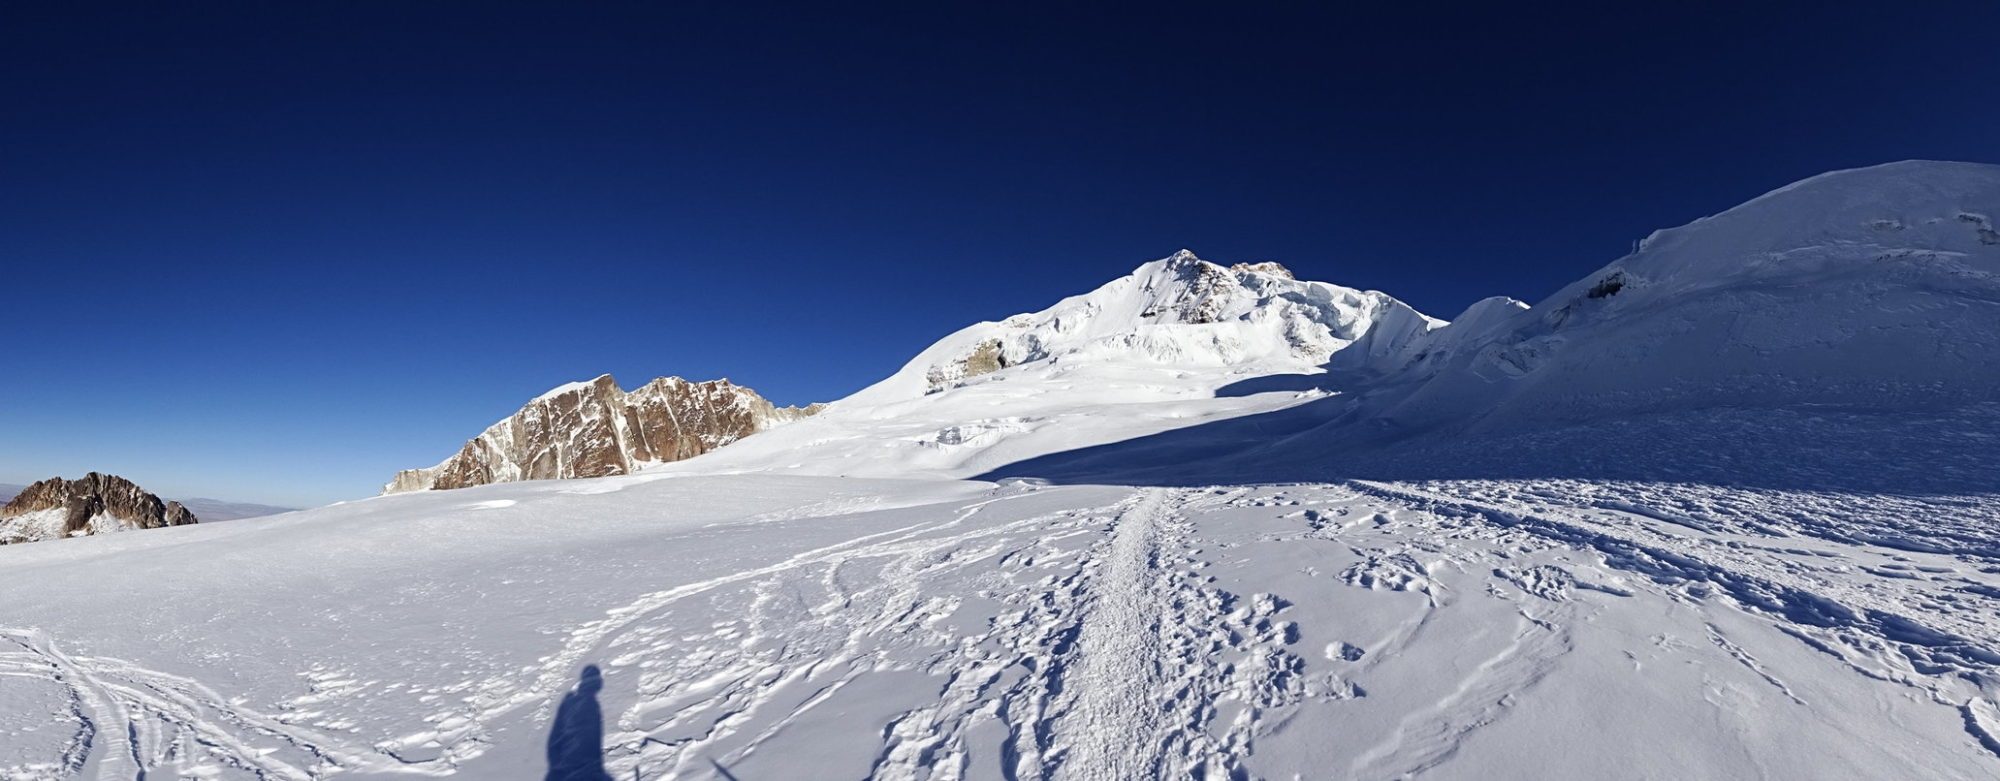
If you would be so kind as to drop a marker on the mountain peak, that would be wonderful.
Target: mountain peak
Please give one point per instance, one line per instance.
(601, 382)
(595, 429)
(1185, 261)
(95, 504)
(1179, 312)
(1268, 268)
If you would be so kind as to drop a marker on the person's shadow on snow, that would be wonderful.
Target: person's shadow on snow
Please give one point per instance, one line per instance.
(576, 741)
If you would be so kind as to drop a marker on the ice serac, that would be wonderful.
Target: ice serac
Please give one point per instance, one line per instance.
(596, 429)
(1875, 288)
(96, 504)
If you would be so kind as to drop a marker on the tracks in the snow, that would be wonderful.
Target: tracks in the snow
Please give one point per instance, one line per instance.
(1073, 647)
(1100, 651)
(1946, 657)
(1058, 642)
(1120, 653)
(130, 720)
(1171, 675)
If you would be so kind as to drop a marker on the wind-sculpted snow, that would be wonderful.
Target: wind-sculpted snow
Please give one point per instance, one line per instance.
(1876, 288)
(796, 627)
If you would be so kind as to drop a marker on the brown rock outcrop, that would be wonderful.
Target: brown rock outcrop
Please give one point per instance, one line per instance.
(64, 508)
(595, 429)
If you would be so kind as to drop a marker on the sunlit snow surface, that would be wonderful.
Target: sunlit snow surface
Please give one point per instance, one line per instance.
(812, 627)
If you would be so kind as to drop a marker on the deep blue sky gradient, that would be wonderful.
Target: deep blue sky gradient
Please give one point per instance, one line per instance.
(275, 251)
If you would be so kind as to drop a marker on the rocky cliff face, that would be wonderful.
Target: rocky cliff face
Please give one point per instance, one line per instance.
(95, 504)
(595, 429)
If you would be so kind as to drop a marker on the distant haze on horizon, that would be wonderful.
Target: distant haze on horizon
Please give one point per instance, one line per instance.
(274, 253)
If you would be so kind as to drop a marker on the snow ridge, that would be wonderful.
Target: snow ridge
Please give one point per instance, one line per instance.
(1179, 311)
(1876, 287)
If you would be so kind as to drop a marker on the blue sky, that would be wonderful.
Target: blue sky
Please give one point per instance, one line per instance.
(274, 252)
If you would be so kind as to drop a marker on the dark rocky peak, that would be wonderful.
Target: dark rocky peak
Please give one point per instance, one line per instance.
(94, 503)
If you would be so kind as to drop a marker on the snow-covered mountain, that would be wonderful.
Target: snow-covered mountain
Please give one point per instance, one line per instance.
(1181, 312)
(1726, 508)
(1875, 287)
(594, 429)
(95, 504)
(1174, 343)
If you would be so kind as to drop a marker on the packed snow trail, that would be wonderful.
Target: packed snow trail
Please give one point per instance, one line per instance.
(760, 627)
(1119, 652)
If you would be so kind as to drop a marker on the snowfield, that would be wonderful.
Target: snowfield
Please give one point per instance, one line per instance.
(765, 626)
(1724, 509)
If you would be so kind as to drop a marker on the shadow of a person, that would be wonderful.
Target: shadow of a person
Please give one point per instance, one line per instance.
(576, 740)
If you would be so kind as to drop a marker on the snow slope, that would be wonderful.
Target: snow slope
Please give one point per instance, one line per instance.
(1837, 333)
(1733, 516)
(1179, 311)
(1856, 292)
(1159, 349)
(1875, 287)
(772, 626)
(49, 524)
